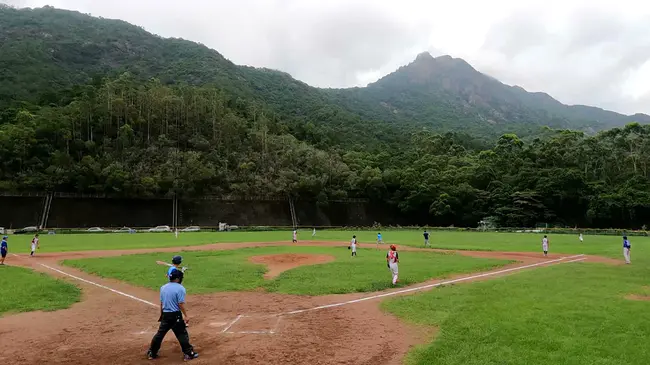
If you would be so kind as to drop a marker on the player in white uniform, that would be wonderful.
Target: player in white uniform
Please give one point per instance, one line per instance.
(580, 238)
(313, 233)
(176, 232)
(392, 259)
(295, 236)
(353, 245)
(545, 245)
(34, 245)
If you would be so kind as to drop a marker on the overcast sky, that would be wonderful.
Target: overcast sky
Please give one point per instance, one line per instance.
(581, 52)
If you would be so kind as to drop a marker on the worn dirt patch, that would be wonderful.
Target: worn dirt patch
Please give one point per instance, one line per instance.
(638, 297)
(279, 263)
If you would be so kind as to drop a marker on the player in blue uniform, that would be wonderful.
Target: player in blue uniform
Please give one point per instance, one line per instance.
(626, 249)
(176, 261)
(3, 250)
(426, 238)
(379, 240)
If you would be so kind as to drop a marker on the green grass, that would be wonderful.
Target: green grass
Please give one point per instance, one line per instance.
(610, 246)
(573, 314)
(230, 270)
(24, 290)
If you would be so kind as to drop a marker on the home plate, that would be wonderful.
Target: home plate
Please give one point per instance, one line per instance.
(254, 324)
(218, 324)
(145, 332)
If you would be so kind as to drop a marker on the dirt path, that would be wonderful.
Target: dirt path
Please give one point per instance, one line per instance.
(277, 264)
(108, 328)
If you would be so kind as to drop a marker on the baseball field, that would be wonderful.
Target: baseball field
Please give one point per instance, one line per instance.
(257, 298)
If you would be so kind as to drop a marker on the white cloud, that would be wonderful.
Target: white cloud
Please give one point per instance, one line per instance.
(586, 52)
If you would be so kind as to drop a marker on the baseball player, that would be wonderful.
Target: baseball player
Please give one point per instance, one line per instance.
(176, 261)
(34, 245)
(392, 259)
(379, 240)
(626, 249)
(426, 238)
(353, 246)
(173, 316)
(295, 236)
(3, 250)
(313, 234)
(176, 233)
(580, 238)
(545, 245)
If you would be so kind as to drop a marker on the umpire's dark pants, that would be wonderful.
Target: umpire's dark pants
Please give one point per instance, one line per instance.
(172, 321)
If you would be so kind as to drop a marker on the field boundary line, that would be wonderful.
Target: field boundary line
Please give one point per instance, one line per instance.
(574, 258)
(100, 286)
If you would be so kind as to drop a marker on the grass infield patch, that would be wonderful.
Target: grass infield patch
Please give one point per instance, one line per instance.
(24, 290)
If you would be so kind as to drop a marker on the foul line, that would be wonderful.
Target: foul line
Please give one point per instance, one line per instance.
(101, 286)
(576, 258)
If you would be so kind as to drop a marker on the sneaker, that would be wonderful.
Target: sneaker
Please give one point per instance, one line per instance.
(151, 355)
(191, 356)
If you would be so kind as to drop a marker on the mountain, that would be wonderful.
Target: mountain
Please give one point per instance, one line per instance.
(46, 50)
(449, 93)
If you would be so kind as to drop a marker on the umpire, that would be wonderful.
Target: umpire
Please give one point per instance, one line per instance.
(172, 311)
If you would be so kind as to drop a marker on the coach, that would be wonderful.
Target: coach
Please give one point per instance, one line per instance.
(172, 311)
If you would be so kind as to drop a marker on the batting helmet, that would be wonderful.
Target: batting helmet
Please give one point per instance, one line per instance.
(392, 247)
(176, 260)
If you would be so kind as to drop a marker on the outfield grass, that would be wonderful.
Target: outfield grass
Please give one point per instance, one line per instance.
(24, 290)
(610, 246)
(125, 241)
(230, 270)
(565, 314)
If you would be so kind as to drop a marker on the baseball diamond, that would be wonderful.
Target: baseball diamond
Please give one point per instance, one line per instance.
(231, 301)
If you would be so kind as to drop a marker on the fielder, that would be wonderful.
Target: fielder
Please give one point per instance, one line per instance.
(379, 240)
(580, 238)
(626, 249)
(426, 238)
(392, 259)
(313, 234)
(176, 233)
(295, 236)
(3, 250)
(545, 245)
(35, 245)
(353, 246)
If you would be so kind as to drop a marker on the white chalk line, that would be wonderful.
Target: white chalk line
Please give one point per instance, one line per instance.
(466, 278)
(101, 286)
(232, 323)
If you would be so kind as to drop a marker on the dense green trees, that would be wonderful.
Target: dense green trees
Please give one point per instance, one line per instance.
(125, 138)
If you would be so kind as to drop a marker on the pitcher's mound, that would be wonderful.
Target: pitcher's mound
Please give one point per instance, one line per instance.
(287, 261)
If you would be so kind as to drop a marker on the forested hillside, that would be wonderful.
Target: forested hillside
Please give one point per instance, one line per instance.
(99, 106)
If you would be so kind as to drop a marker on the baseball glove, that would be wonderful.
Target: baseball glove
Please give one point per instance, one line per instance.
(348, 247)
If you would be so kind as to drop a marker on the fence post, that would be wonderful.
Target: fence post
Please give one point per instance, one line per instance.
(47, 204)
(294, 219)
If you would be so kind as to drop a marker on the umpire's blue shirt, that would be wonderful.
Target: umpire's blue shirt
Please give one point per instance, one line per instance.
(170, 295)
